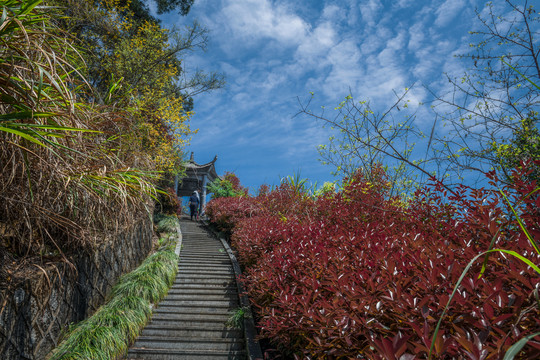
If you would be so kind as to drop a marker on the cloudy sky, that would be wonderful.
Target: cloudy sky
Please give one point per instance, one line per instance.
(275, 52)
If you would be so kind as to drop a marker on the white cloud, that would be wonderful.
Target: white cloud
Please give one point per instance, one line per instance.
(405, 3)
(392, 52)
(373, 41)
(416, 36)
(431, 57)
(448, 11)
(332, 12)
(256, 20)
(274, 79)
(369, 10)
(317, 43)
(346, 69)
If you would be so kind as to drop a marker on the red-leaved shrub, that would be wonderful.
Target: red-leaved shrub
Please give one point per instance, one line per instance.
(359, 274)
(224, 212)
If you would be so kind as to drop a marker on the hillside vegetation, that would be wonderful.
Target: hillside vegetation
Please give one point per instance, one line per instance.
(93, 116)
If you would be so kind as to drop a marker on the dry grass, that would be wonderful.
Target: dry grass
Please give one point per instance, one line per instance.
(69, 170)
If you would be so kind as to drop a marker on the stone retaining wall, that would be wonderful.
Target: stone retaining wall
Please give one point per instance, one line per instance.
(33, 316)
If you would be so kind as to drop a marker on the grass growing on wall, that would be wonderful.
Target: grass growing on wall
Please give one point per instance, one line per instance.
(108, 333)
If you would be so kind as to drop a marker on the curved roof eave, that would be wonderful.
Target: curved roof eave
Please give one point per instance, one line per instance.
(208, 168)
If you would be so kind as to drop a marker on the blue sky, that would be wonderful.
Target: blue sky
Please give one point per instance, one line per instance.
(273, 52)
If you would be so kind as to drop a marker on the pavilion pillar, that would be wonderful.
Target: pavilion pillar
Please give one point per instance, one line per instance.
(203, 195)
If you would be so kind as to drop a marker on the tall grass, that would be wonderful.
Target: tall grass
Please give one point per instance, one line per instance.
(70, 169)
(35, 73)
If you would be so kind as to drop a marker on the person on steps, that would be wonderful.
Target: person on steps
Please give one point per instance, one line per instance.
(194, 205)
(199, 210)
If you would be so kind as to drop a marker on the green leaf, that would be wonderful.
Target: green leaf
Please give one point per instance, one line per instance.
(29, 6)
(4, 16)
(25, 115)
(525, 77)
(484, 264)
(22, 134)
(516, 348)
(521, 225)
(520, 257)
(8, 99)
(510, 252)
(40, 87)
(52, 127)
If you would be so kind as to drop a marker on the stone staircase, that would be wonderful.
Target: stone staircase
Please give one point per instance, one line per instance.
(190, 322)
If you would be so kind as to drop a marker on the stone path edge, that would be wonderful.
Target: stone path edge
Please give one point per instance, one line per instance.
(179, 239)
(253, 347)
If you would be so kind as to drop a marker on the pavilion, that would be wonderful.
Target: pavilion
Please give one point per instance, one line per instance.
(197, 178)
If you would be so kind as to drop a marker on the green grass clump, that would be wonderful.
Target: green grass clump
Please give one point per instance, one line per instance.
(102, 336)
(108, 333)
(167, 224)
(125, 313)
(236, 320)
(142, 284)
(152, 279)
(164, 265)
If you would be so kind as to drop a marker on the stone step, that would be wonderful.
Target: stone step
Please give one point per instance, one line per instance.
(211, 257)
(204, 262)
(197, 312)
(208, 281)
(209, 260)
(193, 253)
(203, 291)
(197, 239)
(217, 252)
(202, 331)
(221, 281)
(203, 247)
(216, 318)
(199, 303)
(230, 286)
(208, 256)
(201, 239)
(198, 266)
(201, 297)
(212, 268)
(202, 243)
(189, 343)
(207, 250)
(206, 273)
(204, 276)
(209, 263)
(149, 354)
